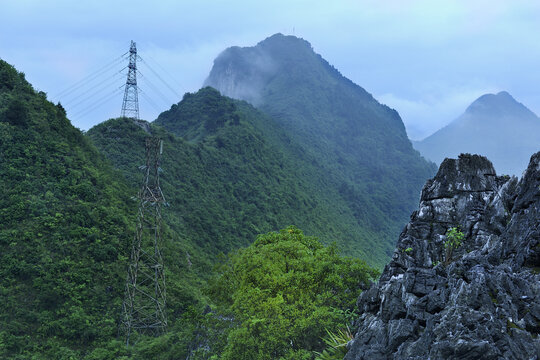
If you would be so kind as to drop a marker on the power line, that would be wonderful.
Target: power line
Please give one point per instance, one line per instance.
(102, 100)
(160, 78)
(89, 77)
(156, 89)
(86, 95)
(150, 101)
(107, 81)
(164, 70)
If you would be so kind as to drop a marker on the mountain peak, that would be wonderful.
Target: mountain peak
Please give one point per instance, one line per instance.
(498, 104)
(495, 125)
(244, 72)
(280, 39)
(504, 94)
(285, 46)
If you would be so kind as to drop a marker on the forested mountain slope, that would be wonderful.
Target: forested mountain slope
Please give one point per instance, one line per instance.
(66, 227)
(231, 172)
(67, 218)
(64, 223)
(359, 145)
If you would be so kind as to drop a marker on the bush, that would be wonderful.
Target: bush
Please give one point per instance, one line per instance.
(454, 239)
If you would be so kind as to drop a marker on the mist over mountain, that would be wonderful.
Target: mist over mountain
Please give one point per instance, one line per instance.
(494, 125)
(359, 144)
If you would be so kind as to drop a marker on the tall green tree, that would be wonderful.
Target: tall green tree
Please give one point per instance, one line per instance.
(283, 291)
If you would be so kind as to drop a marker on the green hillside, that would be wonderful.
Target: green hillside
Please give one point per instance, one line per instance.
(66, 227)
(230, 173)
(64, 223)
(360, 145)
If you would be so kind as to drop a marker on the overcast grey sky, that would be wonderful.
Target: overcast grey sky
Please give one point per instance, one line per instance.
(428, 59)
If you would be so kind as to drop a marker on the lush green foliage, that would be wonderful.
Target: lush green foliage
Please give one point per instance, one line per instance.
(67, 219)
(63, 225)
(282, 292)
(266, 180)
(336, 344)
(454, 239)
(66, 226)
(228, 183)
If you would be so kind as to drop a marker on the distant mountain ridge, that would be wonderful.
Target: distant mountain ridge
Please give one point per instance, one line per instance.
(359, 144)
(494, 125)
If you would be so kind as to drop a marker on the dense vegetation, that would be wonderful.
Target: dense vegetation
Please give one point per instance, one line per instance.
(230, 173)
(63, 223)
(282, 292)
(360, 145)
(234, 174)
(66, 226)
(67, 222)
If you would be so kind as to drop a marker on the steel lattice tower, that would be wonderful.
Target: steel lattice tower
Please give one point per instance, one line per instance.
(144, 302)
(130, 105)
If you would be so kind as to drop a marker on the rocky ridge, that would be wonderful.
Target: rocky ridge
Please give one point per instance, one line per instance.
(482, 301)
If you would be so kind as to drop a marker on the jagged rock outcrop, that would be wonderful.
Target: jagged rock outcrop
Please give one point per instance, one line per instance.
(481, 303)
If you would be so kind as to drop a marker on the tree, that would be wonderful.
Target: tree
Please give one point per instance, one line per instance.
(454, 239)
(17, 112)
(283, 292)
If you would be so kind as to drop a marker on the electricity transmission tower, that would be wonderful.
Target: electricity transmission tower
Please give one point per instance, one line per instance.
(144, 301)
(130, 105)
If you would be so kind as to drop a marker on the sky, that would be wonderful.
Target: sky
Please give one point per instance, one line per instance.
(428, 59)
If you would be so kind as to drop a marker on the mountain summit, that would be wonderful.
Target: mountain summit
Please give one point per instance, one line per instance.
(499, 104)
(360, 145)
(495, 125)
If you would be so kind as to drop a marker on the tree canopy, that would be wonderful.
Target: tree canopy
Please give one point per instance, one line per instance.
(283, 291)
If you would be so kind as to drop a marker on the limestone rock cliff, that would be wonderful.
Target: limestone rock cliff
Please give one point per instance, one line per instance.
(483, 301)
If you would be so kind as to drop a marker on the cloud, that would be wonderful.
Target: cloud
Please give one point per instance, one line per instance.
(392, 48)
(424, 115)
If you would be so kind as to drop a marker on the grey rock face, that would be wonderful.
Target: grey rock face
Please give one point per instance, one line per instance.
(483, 301)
